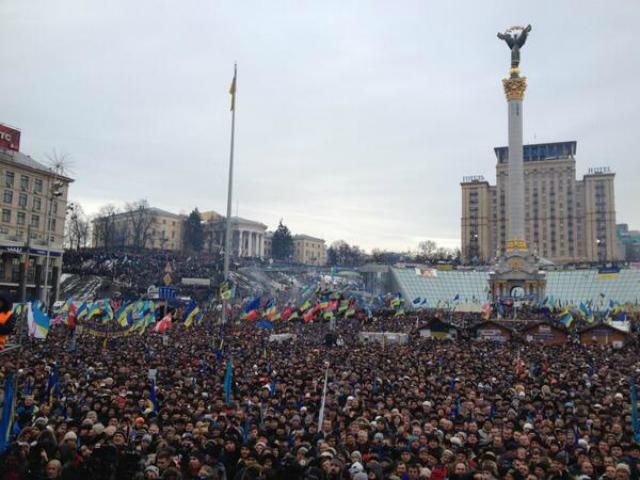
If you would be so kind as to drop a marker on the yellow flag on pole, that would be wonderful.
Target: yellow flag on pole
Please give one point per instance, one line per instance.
(232, 89)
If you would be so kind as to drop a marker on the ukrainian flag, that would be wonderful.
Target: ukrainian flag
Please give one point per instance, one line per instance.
(38, 320)
(193, 313)
(123, 315)
(95, 309)
(82, 311)
(396, 302)
(566, 318)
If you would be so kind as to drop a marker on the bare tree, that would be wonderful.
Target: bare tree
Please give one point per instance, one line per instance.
(427, 248)
(105, 227)
(77, 226)
(141, 222)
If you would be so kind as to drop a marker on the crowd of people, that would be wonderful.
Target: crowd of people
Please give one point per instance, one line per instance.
(248, 408)
(133, 272)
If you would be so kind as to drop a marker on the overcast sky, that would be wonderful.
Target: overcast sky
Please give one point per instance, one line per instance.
(356, 120)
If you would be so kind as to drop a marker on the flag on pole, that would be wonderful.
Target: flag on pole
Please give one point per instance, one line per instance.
(635, 423)
(232, 89)
(486, 310)
(228, 378)
(264, 324)
(37, 320)
(53, 386)
(192, 313)
(163, 325)
(8, 412)
(252, 315)
(252, 305)
(225, 291)
(566, 318)
(70, 319)
(153, 396)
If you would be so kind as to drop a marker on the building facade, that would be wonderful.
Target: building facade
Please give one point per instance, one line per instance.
(628, 242)
(149, 228)
(566, 220)
(34, 203)
(247, 236)
(309, 250)
(268, 239)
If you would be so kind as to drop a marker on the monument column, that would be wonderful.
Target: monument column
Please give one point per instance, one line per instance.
(517, 267)
(514, 88)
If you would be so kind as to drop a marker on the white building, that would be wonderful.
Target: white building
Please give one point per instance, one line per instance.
(247, 236)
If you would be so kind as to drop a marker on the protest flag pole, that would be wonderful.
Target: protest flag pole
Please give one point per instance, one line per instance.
(227, 235)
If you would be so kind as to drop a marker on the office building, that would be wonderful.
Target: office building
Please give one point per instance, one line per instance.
(142, 228)
(309, 250)
(566, 220)
(34, 202)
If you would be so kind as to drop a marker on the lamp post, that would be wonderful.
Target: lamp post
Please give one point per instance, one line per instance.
(54, 192)
(598, 243)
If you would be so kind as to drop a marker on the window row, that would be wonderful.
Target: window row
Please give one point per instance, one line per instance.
(25, 182)
(23, 201)
(21, 219)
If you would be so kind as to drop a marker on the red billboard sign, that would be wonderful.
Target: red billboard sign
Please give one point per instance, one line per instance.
(9, 138)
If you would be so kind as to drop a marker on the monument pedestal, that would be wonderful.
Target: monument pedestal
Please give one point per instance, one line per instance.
(516, 276)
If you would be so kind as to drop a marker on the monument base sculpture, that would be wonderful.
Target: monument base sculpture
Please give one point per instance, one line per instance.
(516, 275)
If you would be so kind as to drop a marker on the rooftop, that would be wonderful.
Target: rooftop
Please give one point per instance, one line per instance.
(302, 236)
(240, 220)
(25, 161)
(164, 213)
(540, 151)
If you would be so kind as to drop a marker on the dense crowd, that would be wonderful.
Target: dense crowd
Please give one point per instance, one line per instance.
(463, 410)
(134, 272)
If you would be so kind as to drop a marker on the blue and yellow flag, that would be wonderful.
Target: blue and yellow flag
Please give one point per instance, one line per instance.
(566, 318)
(94, 310)
(122, 316)
(192, 314)
(396, 301)
(82, 311)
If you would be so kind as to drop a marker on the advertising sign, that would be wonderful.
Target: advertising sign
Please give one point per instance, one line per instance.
(9, 138)
(201, 282)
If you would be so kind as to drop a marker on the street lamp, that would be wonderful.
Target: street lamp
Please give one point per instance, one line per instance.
(598, 243)
(55, 192)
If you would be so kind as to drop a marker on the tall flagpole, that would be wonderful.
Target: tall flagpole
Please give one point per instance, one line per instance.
(227, 235)
(324, 399)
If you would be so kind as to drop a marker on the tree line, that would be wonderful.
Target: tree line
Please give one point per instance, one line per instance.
(340, 253)
(135, 227)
